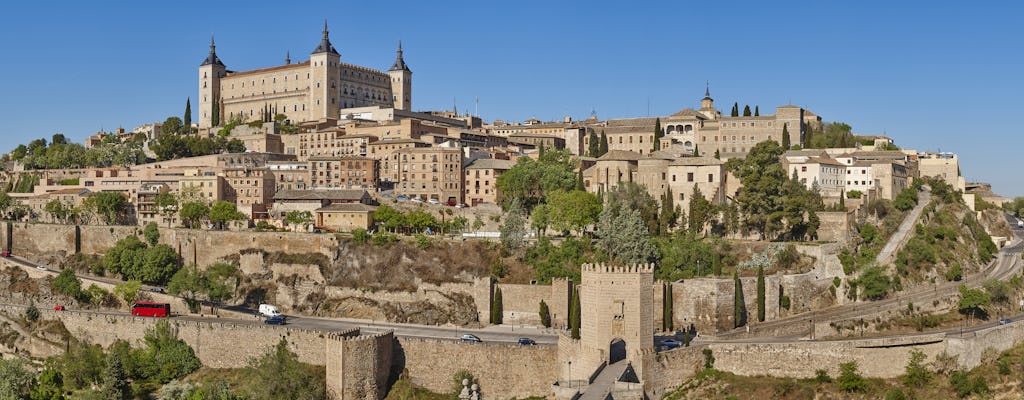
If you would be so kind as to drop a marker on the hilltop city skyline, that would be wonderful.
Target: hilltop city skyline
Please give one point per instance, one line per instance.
(899, 71)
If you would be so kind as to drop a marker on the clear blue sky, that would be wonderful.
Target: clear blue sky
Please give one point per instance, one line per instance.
(932, 75)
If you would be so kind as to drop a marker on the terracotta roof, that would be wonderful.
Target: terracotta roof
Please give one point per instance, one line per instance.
(337, 158)
(696, 161)
(348, 207)
(491, 163)
(824, 160)
(805, 153)
(688, 112)
(329, 194)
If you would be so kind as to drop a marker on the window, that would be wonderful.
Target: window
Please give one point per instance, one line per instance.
(803, 168)
(711, 177)
(689, 176)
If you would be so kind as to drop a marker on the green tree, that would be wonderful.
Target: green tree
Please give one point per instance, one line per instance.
(593, 143)
(785, 137)
(735, 110)
(667, 322)
(220, 281)
(709, 359)
(513, 228)
(973, 301)
(152, 233)
(530, 181)
(916, 372)
(874, 283)
(739, 307)
(31, 312)
(188, 283)
(82, 365)
(762, 178)
(300, 218)
(716, 264)
(223, 211)
(757, 111)
(603, 148)
(718, 155)
(215, 117)
(15, 380)
(282, 376)
(165, 356)
(574, 314)
(540, 218)
(128, 291)
(545, 314)
(158, 266)
(167, 204)
(659, 132)
(700, 211)
(67, 283)
(572, 210)
(172, 126)
(188, 114)
(110, 206)
(115, 382)
(50, 386)
(497, 312)
(760, 293)
(623, 236)
(57, 210)
(849, 379)
(193, 212)
(746, 110)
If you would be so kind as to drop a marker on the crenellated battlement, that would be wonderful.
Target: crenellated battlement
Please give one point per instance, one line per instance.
(343, 335)
(603, 268)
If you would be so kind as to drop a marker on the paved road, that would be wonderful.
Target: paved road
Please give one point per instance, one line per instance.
(902, 234)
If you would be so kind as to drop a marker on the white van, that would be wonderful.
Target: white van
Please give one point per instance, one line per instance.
(269, 311)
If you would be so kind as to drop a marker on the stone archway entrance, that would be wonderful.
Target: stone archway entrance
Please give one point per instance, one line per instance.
(616, 351)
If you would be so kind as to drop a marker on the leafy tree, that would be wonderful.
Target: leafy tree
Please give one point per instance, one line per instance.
(683, 255)
(593, 143)
(849, 379)
(58, 210)
(603, 148)
(159, 265)
(718, 155)
(716, 264)
(171, 126)
(192, 212)
(739, 310)
(220, 281)
(760, 293)
(223, 211)
(152, 233)
(545, 314)
(167, 204)
(906, 199)
(572, 210)
(540, 218)
(188, 114)
(667, 215)
(50, 386)
(785, 137)
(574, 314)
(874, 283)
(110, 206)
(916, 372)
(513, 229)
(188, 283)
(633, 196)
(67, 283)
(770, 203)
(300, 218)
(128, 291)
(746, 110)
(700, 211)
(622, 234)
(115, 382)
(15, 380)
(282, 376)
(530, 181)
(82, 365)
(497, 312)
(165, 356)
(973, 301)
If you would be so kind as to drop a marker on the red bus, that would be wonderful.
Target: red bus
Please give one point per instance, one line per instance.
(148, 309)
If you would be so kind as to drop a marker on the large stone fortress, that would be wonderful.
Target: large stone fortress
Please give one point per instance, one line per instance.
(314, 90)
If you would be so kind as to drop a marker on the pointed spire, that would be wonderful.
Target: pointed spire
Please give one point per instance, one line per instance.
(212, 59)
(707, 90)
(325, 43)
(399, 64)
(287, 57)
(455, 110)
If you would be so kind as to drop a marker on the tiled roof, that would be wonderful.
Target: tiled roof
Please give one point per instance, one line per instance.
(620, 155)
(696, 161)
(491, 163)
(349, 207)
(329, 194)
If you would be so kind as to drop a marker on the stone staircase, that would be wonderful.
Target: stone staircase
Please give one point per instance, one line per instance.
(601, 387)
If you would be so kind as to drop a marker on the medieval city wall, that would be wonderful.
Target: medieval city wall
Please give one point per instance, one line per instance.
(503, 371)
(366, 364)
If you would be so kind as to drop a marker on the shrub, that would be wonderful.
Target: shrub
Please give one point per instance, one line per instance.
(545, 314)
(895, 394)
(381, 238)
(461, 375)
(499, 269)
(709, 359)
(875, 283)
(961, 383)
(67, 283)
(917, 373)
(360, 235)
(784, 302)
(954, 273)
(821, 376)
(422, 241)
(32, 312)
(849, 379)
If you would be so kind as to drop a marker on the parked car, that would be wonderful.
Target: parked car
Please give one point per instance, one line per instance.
(471, 338)
(401, 198)
(276, 320)
(462, 205)
(58, 308)
(268, 310)
(1004, 321)
(416, 200)
(433, 201)
(670, 343)
(157, 289)
(41, 267)
(5, 253)
(527, 341)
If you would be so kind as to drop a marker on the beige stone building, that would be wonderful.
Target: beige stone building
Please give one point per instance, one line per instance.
(203, 186)
(344, 217)
(828, 176)
(429, 173)
(349, 172)
(251, 189)
(481, 180)
(290, 175)
(610, 170)
(386, 152)
(310, 200)
(942, 165)
(313, 90)
(664, 171)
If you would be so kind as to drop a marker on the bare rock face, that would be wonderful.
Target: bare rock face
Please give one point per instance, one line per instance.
(995, 223)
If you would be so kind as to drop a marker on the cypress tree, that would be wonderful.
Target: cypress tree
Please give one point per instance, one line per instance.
(594, 146)
(686, 338)
(215, 118)
(716, 264)
(718, 156)
(658, 134)
(188, 113)
(808, 143)
(757, 111)
(603, 149)
(842, 200)
(760, 293)
(579, 180)
(666, 323)
(735, 110)
(540, 150)
(696, 151)
(739, 310)
(115, 383)
(496, 308)
(574, 315)
(746, 110)
(545, 314)
(785, 137)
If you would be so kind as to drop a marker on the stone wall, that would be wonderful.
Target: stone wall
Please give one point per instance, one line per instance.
(668, 369)
(521, 303)
(214, 246)
(503, 371)
(836, 226)
(359, 367)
